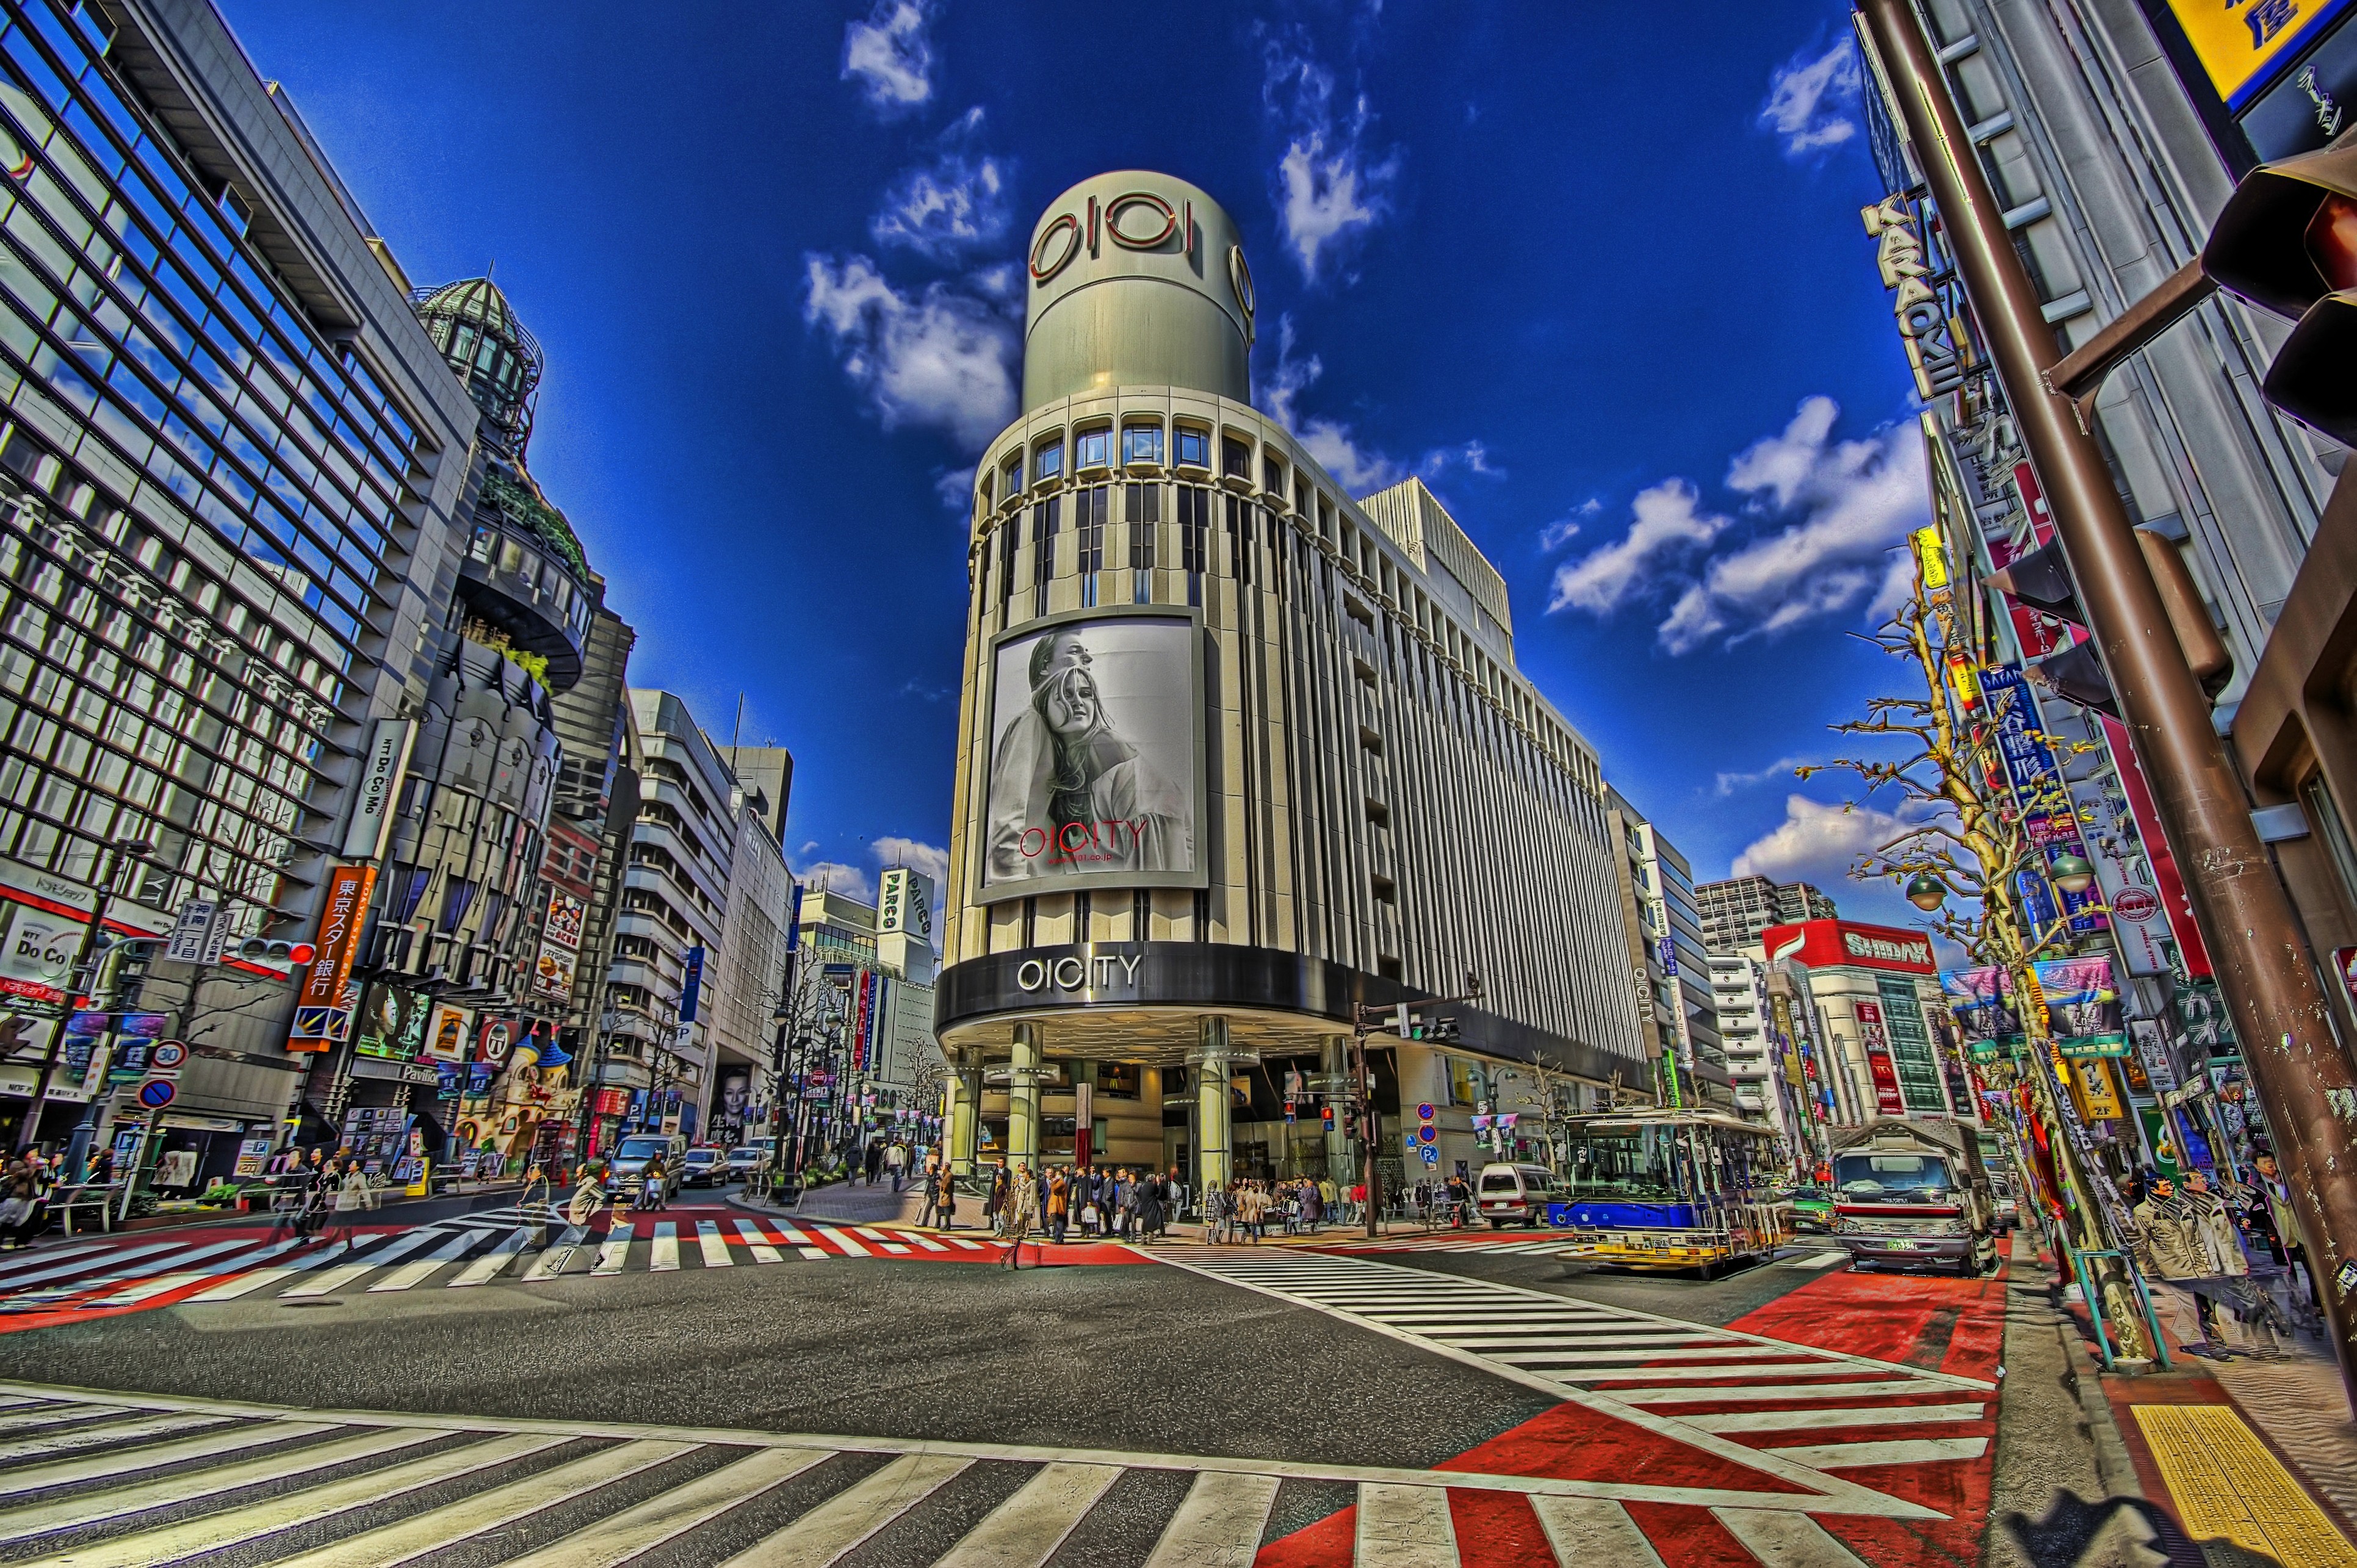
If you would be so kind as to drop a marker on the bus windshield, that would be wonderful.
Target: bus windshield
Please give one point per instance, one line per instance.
(1647, 1164)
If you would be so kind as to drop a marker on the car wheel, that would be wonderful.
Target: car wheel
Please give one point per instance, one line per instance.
(1496, 1225)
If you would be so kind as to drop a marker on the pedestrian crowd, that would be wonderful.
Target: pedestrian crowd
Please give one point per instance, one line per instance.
(2231, 1244)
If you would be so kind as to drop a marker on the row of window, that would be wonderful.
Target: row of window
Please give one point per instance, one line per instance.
(1091, 448)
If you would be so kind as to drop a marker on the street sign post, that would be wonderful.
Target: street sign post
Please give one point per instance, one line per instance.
(157, 1092)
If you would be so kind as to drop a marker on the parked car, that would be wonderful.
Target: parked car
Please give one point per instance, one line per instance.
(749, 1161)
(2008, 1207)
(704, 1166)
(1513, 1192)
(627, 1172)
(1813, 1208)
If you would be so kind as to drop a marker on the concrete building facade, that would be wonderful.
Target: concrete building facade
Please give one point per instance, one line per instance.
(1735, 910)
(1238, 752)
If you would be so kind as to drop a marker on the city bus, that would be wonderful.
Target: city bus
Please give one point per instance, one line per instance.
(1668, 1190)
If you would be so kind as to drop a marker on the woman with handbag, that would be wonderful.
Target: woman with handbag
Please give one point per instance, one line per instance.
(1059, 1199)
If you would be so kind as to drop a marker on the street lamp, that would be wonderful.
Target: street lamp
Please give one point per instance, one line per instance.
(2072, 873)
(1927, 892)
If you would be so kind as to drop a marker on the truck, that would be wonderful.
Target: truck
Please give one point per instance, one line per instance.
(1912, 1192)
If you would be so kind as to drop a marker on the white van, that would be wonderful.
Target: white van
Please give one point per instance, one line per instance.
(1515, 1192)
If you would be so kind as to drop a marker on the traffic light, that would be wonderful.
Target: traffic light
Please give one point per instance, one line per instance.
(1327, 1113)
(281, 955)
(2287, 241)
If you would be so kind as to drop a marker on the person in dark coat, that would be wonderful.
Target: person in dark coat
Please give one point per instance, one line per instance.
(1148, 1193)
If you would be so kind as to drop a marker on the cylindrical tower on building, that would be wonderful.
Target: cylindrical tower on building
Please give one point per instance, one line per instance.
(1236, 752)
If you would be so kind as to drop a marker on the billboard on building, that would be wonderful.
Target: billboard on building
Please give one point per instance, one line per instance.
(1831, 944)
(1095, 727)
(904, 903)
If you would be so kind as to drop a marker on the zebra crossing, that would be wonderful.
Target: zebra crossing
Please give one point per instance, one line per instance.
(1791, 1411)
(108, 1480)
(517, 1244)
(1541, 1245)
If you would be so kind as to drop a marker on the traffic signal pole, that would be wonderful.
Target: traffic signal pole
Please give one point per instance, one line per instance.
(2258, 947)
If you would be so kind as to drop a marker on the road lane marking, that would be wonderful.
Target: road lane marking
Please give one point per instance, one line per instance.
(98, 1466)
(485, 1269)
(663, 1252)
(551, 1261)
(852, 1515)
(611, 1542)
(713, 1245)
(851, 1248)
(616, 1248)
(336, 1279)
(1405, 1527)
(1219, 1523)
(1817, 1260)
(411, 1274)
(245, 1284)
(1900, 1451)
(1786, 1540)
(1593, 1529)
(485, 1513)
(1025, 1531)
(757, 1244)
(1811, 1420)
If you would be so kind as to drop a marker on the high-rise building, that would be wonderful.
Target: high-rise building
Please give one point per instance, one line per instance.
(1735, 911)
(1669, 964)
(1238, 752)
(1884, 1042)
(230, 468)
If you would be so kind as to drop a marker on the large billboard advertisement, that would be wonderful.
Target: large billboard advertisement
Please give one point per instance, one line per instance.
(1096, 754)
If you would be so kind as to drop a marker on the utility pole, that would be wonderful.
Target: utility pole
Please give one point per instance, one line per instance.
(2258, 947)
(1362, 1017)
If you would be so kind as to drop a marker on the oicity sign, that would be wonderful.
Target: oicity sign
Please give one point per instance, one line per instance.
(1135, 221)
(1074, 973)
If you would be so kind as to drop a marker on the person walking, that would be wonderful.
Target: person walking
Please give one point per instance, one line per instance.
(945, 1198)
(1059, 1199)
(874, 1162)
(993, 1206)
(1313, 1206)
(932, 1192)
(896, 1161)
(1022, 1210)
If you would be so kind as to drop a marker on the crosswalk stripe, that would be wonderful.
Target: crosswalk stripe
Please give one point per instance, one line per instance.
(336, 1279)
(97, 1466)
(663, 1251)
(756, 1243)
(13, 1453)
(1405, 1527)
(40, 1416)
(242, 1285)
(671, 1513)
(1817, 1260)
(551, 1261)
(962, 1241)
(851, 1248)
(95, 1508)
(1639, 1377)
(1641, 1356)
(44, 1257)
(409, 1276)
(615, 1250)
(1897, 1450)
(816, 1254)
(713, 1245)
(1786, 1540)
(488, 1511)
(1593, 1529)
(1219, 1523)
(85, 1262)
(922, 1240)
(852, 1515)
(210, 1533)
(1766, 1391)
(1812, 1420)
(793, 1236)
(872, 1233)
(485, 1269)
(1025, 1531)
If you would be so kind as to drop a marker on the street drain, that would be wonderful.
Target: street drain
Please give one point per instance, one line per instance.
(321, 1303)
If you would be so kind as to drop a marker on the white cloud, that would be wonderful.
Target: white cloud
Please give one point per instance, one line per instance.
(916, 856)
(1728, 783)
(1818, 844)
(958, 202)
(1565, 529)
(1810, 100)
(955, 486)
(891, 55)
(834, 876)
(941, 358)
(1329, 187)
(1667, 519)
(1858, 500)
(1357, 467)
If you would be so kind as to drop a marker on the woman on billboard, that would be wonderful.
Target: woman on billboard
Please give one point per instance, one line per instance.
(1068, 793)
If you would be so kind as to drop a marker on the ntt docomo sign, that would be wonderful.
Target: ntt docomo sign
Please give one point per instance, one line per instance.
(1834, 944)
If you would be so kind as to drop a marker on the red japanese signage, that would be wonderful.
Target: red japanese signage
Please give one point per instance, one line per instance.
(327, 981)
(1829, 944)
(2156, 852)
(1886, 1098)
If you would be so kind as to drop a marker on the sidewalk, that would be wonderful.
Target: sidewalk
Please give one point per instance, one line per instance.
(2252, 1460)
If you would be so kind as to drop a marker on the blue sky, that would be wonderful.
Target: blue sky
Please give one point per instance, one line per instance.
(1600, 276)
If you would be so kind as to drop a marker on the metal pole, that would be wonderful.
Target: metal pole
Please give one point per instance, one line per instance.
(2258, 948)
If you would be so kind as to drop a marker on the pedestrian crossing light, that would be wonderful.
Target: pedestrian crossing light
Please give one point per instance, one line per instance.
(2287, 240)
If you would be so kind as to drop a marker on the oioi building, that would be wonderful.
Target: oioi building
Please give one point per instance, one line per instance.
(1238, 752)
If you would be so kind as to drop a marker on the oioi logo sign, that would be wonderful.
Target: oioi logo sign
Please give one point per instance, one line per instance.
(1135, 221)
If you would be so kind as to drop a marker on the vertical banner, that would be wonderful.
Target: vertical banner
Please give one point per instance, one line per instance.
(323, 1009)
(1877, 1042)
(863, 1019)
(2048, 812)
(691, 985)
(2174, 903)
(380, 787)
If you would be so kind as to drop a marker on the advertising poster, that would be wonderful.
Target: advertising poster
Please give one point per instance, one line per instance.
(1095, 728)
(492, 1045)
(1877, 1042)
(2050, 814)
(446, 1036)
(391, 1023)
(551, 976)
(2083, 1007)
(1982, 1002)
(566, 915)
